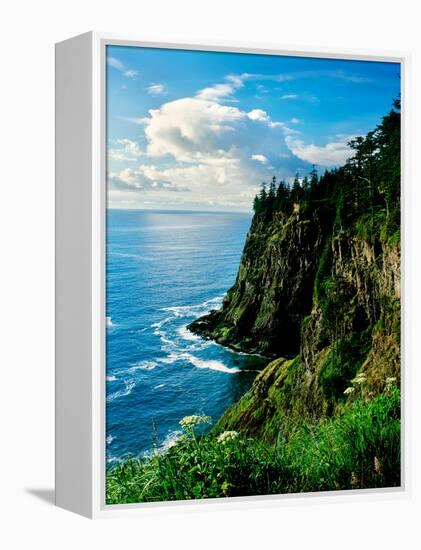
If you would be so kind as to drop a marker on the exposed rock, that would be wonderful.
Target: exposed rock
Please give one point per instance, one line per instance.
(264, 309)
(327, 307)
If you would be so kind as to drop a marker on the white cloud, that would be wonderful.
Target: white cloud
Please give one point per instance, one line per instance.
(156, 89)
(334, 153)
(219, 153)
(115, 63)
(258, 114)
(126, 149)
(120, 66)
(142, 179)
(312, 74)
(302, 97)
(191, 129)
(262, 116)
(219, 184)
(260, 158)
(217, 92)
(135, 120)
(130, 73)
(211, 148)
(223, 91)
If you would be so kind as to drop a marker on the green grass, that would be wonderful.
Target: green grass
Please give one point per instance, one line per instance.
(358, 449)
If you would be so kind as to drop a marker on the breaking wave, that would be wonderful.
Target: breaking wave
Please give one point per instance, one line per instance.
(127, 390)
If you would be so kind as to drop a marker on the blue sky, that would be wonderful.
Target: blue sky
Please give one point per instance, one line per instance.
(202, 130)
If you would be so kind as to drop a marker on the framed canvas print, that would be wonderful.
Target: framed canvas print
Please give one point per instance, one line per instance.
(228, 273)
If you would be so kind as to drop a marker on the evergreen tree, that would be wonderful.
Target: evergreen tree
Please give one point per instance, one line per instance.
(365, 191)
(314, 178)
(296, 192)
(282, 197)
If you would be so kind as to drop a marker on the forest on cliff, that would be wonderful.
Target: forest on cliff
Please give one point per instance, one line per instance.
(317, 292)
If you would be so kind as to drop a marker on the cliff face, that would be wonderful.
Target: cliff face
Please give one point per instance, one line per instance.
(264, 309)
(318, 289)
(352, 330)
(326, 303)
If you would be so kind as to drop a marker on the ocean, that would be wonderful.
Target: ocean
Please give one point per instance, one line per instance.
(164, 269)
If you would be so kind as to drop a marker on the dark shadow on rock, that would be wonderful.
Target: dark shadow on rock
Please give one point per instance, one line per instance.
(47, 495)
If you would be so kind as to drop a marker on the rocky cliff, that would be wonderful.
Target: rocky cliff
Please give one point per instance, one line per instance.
(272, 294)
(349, 344)
(326, 303)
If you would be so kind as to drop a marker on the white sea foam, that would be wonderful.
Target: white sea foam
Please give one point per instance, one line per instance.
(159, 386)
(159, 324)
(128, 386)
(169, 344)
(109, 322)
(110, 438)
(169, 441)
(142, 365)
(185, 333)
(111, 378)
(171, 358)
(167, 341)
(195, 310)
(211, 364)
(176, 350)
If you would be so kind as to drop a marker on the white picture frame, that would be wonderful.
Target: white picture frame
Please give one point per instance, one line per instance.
(80, 274)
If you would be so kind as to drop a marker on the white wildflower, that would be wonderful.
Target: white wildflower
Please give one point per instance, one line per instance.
(188, 422)
(227, 436)
(349, 390)
(360, 378)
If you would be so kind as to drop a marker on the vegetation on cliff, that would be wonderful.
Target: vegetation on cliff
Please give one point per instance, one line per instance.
(318, 290)
(359, 449)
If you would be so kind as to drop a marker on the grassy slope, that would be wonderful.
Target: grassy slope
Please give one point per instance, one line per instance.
(359, 448)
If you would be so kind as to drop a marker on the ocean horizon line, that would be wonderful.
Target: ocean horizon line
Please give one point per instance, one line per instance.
(172, 210)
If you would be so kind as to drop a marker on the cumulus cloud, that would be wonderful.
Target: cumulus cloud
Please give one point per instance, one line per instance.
(217, 92)
(215, 151)
(334, 153)
(225, 90)
(193, 130)
(126, 149)
(206, 145)
(259, 158)
(258, 114)
(156, 89)
(140, 179)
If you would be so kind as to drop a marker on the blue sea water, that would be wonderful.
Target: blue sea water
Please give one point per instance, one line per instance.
(164, 269)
